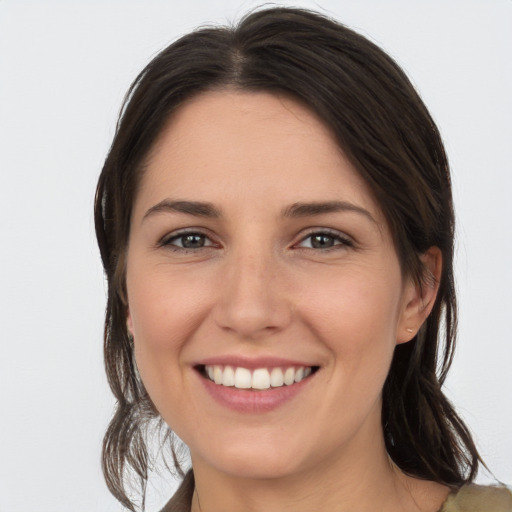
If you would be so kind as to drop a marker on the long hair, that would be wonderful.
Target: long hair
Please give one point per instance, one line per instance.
(384, 128)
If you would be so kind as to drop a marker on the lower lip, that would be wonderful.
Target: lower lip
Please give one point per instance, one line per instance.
(248, 401)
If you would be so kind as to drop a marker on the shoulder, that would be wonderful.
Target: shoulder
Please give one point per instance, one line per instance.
(479, 498)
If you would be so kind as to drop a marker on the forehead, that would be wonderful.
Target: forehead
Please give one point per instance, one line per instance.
(244, 147)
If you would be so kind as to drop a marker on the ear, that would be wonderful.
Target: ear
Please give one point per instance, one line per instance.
(419, 298)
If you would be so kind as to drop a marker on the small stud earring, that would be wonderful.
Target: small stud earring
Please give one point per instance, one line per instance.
(409, 329)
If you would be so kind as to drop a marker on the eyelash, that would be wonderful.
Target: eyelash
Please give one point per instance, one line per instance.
(167, 241)
(344, 241)
(340, 240)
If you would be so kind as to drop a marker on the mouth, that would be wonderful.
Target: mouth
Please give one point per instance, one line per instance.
(257, 379)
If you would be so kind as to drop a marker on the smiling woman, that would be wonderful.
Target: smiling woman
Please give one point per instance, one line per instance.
(276, 225)
(274, 278)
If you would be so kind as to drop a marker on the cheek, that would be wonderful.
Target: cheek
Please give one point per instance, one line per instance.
(165, 306)
(354, 308)
(355, 316)
(166, 310)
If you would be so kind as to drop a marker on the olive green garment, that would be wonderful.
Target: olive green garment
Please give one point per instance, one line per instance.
(469, 498)
(479, 498)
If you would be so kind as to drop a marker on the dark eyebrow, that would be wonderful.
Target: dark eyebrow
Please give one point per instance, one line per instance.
(196, 208)
(204, 209)
(319, 208)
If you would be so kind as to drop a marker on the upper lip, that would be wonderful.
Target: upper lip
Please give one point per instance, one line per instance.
(251, 363)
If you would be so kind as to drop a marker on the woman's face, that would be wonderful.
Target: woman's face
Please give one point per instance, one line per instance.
(258, 255)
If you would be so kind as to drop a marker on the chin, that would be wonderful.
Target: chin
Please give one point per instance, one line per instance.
(251, 460)
(257, 469)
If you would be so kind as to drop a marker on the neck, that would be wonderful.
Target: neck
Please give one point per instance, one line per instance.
(363, 479)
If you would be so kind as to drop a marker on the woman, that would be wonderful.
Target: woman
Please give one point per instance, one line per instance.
(276, 224)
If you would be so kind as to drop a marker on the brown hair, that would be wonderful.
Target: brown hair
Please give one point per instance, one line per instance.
(385, 130)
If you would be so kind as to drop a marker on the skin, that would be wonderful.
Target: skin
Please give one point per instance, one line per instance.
(259, 287)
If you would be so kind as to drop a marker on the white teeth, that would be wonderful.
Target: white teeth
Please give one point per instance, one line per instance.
(228, 378)
(260, 378)
(299, 374)
(217, 374)
(289, 376)
(276, 377)
(243, 378)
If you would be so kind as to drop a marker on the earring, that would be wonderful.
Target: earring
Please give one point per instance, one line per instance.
(409, 329)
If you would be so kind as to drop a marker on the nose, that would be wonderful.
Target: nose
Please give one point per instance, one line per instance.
(252, 303)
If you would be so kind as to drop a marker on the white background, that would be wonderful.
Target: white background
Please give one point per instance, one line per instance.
(64, 67)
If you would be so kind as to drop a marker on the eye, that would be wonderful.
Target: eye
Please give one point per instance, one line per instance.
(325, 240)
(187, 241)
